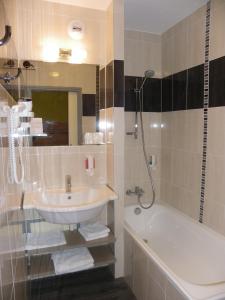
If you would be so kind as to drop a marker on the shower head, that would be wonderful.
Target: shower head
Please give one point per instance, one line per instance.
(149, 73)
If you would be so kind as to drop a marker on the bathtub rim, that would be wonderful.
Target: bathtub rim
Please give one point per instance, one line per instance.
(185, 216)
(178, 282)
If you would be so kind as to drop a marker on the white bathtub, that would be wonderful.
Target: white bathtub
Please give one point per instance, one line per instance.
(190, 254)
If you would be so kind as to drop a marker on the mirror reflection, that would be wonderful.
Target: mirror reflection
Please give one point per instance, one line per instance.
(64, 100)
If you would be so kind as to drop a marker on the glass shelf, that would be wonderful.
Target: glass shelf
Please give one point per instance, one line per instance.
(27, 135)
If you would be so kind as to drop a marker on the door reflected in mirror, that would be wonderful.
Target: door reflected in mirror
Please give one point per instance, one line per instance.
(61, 115)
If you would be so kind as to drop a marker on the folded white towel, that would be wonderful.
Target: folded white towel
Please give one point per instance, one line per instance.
(72, 270)
(94, 231)
(97, 236)
(72, 260)
(44, 240)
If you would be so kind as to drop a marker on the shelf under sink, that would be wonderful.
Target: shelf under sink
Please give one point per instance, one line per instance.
(42, 266)
(74, 240)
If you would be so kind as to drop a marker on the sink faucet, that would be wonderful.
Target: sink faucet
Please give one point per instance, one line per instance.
(68, 183)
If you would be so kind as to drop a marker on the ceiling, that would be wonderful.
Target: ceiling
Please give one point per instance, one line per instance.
(94, 4)
(156, 16)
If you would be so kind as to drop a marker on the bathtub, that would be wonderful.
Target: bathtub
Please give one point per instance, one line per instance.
(189, 254)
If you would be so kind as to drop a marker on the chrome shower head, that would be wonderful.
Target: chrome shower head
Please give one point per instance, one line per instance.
(149, 73)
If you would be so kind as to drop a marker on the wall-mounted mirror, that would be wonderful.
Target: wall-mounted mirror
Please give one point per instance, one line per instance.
(59, 62)
(64, 96)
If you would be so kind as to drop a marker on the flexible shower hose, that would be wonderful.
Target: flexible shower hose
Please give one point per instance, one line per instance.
(140, 96)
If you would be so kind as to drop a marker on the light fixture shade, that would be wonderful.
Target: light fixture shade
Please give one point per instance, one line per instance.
(65, 53)
(76, 30)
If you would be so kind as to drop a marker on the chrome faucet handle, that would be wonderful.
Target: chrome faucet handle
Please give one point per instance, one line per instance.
(137, 191)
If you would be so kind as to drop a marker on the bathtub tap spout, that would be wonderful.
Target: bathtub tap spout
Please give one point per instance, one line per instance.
(138, 191)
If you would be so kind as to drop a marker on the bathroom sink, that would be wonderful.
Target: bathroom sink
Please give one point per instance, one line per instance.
(81, 204)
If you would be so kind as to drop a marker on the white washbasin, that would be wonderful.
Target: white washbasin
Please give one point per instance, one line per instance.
(82, 204)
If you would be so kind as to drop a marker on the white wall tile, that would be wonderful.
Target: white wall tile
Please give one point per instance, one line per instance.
(50, 165)
(217, 43)
(142, 51)
(135, 167)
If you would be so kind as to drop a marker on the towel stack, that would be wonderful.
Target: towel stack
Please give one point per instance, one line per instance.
(72, 260)
(44, 240)
(94, 231)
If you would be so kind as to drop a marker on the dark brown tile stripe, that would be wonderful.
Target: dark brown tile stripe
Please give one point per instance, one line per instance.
(167, 93)
(89, 105)
(97, 99)
(131, 84)
(115, 90)
(195, 87)
(119, 84)
(185, 90)
(109, 85)
(217, 82)
(179, 91)
(102, 89)
(151, 95)
(205, 113)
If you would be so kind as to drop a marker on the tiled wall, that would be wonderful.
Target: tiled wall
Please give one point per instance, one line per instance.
(183, 44)
(135, 168)
(115, 31)
(181, 151)
(181, 143)
(48, 166)
(180, 116)
(182, 132)
(142, 52)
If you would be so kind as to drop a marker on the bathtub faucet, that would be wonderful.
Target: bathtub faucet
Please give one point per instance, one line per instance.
(138, 191)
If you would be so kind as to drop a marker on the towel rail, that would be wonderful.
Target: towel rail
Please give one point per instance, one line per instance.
(7, 36)
(7, 77)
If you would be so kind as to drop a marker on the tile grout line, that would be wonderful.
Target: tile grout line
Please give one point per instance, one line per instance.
(205, 113)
